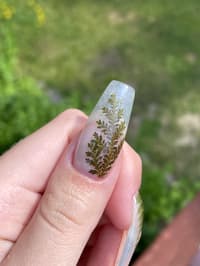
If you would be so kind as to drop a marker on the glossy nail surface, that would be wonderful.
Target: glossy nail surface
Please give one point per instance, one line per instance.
(101, 140)
(132, 236)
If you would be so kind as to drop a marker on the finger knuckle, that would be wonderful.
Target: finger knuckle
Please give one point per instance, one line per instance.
(64, 208)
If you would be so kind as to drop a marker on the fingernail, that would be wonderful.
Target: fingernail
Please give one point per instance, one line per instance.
(131, 237)
(101, 140)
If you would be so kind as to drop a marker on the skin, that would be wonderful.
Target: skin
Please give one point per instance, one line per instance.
(50, 214)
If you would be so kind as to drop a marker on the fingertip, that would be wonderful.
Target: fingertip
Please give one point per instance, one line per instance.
(136, 163)
(119, 208)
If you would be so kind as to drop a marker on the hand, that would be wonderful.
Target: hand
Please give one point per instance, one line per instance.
(51, 213)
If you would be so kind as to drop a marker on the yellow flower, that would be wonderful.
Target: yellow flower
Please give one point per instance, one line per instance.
(40, 14)
(7, 11)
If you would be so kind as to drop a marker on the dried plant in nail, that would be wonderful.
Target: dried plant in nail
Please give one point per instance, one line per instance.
(106, 143)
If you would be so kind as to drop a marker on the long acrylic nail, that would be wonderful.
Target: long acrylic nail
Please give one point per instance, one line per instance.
(131, 238)
(101, 140)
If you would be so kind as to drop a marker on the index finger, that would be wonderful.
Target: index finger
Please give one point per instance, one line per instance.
(25, 170)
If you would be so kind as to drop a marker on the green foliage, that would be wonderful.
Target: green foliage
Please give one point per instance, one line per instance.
(162, 198)
(23, 105)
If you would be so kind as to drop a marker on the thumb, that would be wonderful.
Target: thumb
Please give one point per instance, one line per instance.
(78, 190)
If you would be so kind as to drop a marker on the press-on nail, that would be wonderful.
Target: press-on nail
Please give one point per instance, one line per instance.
(132, 236)
(101, 140)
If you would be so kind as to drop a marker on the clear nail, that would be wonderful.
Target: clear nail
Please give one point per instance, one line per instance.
(101, 140)
(132, 236)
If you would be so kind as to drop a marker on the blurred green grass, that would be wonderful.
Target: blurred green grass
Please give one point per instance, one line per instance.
(70, 50)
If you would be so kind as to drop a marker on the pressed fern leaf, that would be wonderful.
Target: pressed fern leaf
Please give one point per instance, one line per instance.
(105, 145)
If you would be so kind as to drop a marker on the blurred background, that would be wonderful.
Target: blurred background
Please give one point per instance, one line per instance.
(60, 54)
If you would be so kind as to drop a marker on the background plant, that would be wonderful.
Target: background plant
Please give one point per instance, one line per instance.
(60, 54)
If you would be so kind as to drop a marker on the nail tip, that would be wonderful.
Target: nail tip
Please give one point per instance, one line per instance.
(122, 85)
(124, 93)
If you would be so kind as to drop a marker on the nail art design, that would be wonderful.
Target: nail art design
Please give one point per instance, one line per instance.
(105, 146)
(102, 138)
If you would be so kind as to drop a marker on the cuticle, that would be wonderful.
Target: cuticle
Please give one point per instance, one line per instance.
(69, 160)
